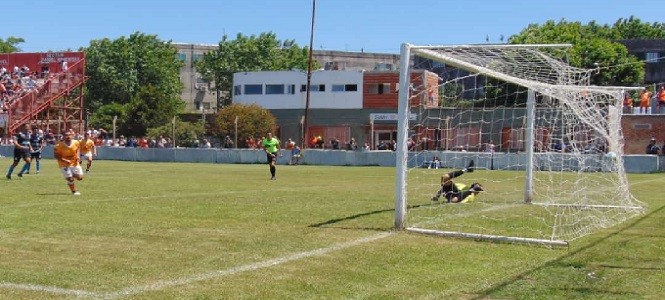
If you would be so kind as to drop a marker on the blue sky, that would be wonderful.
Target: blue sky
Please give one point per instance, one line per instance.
(347, 25)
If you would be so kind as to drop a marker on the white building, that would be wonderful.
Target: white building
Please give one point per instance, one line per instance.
(287, 89)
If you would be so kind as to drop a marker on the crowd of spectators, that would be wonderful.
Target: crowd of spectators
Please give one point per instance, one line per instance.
(16, 83)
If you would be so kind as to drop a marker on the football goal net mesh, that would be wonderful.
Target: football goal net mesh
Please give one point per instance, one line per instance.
(546, 146)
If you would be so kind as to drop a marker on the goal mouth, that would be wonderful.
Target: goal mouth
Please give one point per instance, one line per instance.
(536, 130)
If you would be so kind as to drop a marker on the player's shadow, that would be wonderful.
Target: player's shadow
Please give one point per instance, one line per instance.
(360, 215)
(53, 194)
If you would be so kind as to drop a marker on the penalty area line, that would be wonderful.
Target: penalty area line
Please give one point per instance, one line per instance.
(46, 289)
(163, 284)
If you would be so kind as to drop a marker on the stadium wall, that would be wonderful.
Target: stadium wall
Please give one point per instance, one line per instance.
(450, 159)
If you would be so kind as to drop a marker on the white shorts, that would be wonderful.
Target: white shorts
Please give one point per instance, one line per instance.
(88, 155)
(68, 172)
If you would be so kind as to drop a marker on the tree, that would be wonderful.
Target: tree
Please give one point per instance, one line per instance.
(244, 54)
(149, 108)
(141, 73)
(253, 121)
(596, 46)
(9, 45)
(186, 134)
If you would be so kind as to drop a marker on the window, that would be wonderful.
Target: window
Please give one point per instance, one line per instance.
(344, 88)
(237, 90)
(253, 89)
(379, 88)
(274, 89)
(197, 57)
(182, 56)
(291, 89)
(313, 88)
(652, 57)
(383, 67)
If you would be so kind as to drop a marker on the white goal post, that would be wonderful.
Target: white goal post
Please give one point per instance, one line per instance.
(547, 145)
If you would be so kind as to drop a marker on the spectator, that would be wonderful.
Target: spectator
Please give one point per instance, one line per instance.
(122, 142)
(206, 144)
(334, 143)
(410, 144)
(645, 101)
(661, 100)
(627, 103)
(296, 153)
(352, 145)
(491, 147)
(652, 148)
(228, 142)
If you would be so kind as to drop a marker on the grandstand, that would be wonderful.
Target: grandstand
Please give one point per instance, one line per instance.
(47, 91)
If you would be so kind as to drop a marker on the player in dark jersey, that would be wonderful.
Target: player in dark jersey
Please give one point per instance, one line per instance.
(37, 142)
(22, 150)
(455, 192)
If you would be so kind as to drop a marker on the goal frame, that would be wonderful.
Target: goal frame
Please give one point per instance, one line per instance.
(403, 112)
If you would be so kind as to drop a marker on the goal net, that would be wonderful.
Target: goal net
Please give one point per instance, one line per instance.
(546, 146)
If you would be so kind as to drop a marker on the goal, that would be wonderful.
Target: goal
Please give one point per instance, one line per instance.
(546, 145)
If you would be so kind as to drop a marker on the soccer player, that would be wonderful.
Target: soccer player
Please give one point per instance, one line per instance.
(37, 142)
(271, 145)
(88, 150)
(67, 154)
(22, 150)
(456, 192)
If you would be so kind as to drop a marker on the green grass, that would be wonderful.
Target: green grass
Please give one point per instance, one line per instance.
(211, 231)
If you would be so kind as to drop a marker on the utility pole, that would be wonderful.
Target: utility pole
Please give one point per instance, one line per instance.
(309, 79)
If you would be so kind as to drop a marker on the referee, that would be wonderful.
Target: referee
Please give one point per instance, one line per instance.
(271, 146)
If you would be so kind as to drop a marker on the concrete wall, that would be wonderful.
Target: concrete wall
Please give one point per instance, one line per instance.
(449, 159)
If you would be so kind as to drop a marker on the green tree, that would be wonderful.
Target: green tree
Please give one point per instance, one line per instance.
(186, 134)
(149, 108)
(10, 45)
(633, 28)
(248, 53)
(253, 121)
(596, 46)
(141, 73)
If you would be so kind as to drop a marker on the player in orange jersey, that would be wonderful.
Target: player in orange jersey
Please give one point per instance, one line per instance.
(88, 150)
(67, 154)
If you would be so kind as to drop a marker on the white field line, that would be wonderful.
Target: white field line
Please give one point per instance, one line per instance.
(46, 289)
(163, 284)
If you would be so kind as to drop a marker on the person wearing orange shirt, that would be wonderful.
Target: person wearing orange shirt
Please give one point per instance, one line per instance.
(627, 103)
(661, 99)
(66, 153)
(645, 99)
(88, 150)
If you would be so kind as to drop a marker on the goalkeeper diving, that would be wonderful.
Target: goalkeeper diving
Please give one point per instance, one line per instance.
(457, 192)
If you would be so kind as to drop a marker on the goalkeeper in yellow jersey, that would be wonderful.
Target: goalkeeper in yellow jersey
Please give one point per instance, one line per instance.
(67, 154)
(457, 192)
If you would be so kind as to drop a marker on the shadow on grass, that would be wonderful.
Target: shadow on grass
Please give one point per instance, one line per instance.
(488, 293)
(53, 194)
(356, 216)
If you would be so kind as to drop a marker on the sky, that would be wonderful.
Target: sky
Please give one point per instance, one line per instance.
(379, 26)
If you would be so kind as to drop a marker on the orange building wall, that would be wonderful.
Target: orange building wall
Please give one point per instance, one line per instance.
(639, 129)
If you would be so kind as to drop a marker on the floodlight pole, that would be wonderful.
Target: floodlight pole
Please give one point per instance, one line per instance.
(309, 79)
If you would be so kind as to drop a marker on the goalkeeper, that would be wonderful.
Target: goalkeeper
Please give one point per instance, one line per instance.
(457, 192)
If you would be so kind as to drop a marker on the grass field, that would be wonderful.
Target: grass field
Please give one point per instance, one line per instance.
(211, 231)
